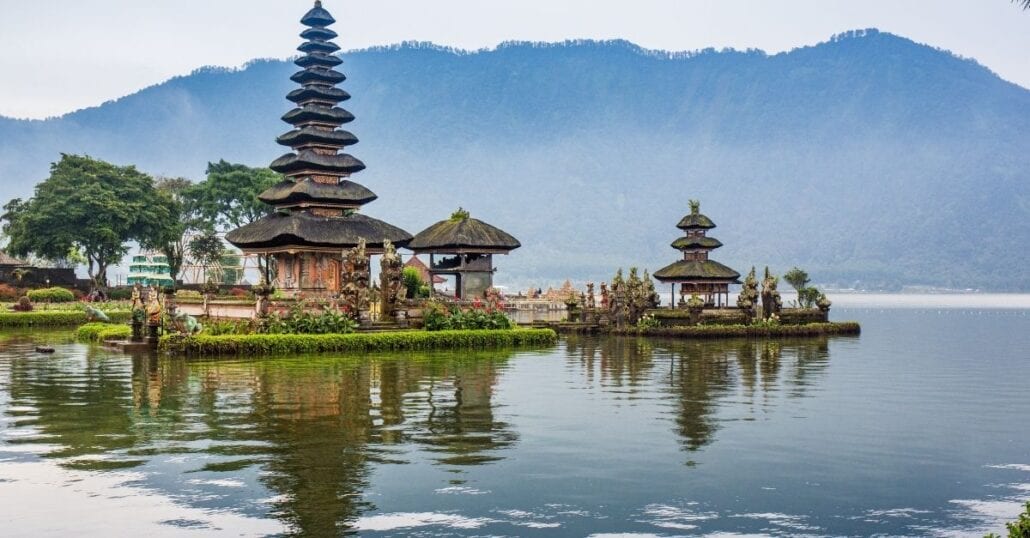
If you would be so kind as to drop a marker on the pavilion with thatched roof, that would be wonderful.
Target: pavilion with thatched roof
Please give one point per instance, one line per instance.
(696, 273)
(317, 206)
(467, 246)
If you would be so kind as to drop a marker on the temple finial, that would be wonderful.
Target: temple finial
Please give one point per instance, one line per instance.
(318, 3)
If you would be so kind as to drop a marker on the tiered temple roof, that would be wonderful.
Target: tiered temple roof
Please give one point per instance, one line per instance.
(696, 267)
(317, 204)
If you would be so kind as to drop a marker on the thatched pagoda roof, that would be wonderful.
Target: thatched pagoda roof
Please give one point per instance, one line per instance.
(321, 93)
(463, 234)
(697, 271)
(318, 59)
(294, 192)
(307, 159)
(318, 32)
(323, 114)
(695, 220)
(317, 45)
(317, 16)
(685, 243)
(303, 229)
(313, 135)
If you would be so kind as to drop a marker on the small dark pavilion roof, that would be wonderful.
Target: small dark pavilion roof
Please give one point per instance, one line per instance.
(463, 234)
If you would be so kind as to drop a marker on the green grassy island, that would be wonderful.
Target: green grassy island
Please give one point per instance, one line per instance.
(278, 344)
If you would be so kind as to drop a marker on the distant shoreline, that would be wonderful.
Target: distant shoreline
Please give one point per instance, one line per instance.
(854, 299)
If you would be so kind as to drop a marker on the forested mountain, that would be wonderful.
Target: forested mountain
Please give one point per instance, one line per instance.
(867, 159)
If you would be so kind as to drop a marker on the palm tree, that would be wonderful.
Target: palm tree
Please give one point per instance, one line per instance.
(1024, 3)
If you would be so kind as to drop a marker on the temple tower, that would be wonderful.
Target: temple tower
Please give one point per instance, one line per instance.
(317, 205)
(696, 272)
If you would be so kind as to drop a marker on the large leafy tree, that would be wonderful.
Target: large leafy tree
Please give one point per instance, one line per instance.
(179, 195)
(229, 196)
(207, 249)
(90, 207)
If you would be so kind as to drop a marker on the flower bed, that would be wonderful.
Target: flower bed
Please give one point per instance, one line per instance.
(54, 318)
(747, 331)
(277, 344)
(102, 332)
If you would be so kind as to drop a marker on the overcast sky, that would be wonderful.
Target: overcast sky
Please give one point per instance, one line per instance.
(60, 55)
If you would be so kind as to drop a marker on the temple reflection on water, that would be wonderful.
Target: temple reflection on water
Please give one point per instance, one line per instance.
(312, 431)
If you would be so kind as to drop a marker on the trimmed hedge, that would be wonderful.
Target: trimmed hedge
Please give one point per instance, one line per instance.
(51, 295)
(748, 331)
(54, 318)
(101, 332)
(278, 344)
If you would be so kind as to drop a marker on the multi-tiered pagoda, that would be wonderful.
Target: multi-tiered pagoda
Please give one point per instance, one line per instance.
(696, 273)
(317, 205)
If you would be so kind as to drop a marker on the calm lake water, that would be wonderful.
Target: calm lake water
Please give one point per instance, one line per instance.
(917, 427)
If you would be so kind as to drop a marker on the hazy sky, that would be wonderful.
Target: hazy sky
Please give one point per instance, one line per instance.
(61, 55)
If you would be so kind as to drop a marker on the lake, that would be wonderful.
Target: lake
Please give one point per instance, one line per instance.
(917, 427)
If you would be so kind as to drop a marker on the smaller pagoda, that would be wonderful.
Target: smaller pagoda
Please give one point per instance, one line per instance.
(696, 273)
(463, 247)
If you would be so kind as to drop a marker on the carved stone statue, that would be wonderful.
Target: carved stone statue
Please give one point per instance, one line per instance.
(390, 279)
(154, 308)
(747, 300)
(591, 300)
(184, 323)
(137, 297)
(771, 301)
(92, 314)
(606, 302)
(354, 280)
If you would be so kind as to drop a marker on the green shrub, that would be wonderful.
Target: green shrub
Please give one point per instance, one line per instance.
(271, 344)
(119, 294)
(51, 295)
(23, 305)
(1019, 528)
(188, 294)
(216, 328)
(438, 318)
(746, 331)
(101, 332)
(301, 320)
(53, 318)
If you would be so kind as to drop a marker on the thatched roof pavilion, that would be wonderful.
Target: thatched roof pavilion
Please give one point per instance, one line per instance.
(696, 273)
(317, 205)
(468, 246)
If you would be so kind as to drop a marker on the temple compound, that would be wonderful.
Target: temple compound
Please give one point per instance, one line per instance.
(317, 206)
(696, 273)
(463, 247)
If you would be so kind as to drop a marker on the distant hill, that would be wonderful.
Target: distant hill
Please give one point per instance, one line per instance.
(868, 159)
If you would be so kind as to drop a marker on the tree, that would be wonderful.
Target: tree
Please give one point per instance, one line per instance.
(179, 195)
(412, 282)
(89, 206)
(797, 279)
(207, 249)
(1024, 3)
(228, 197)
